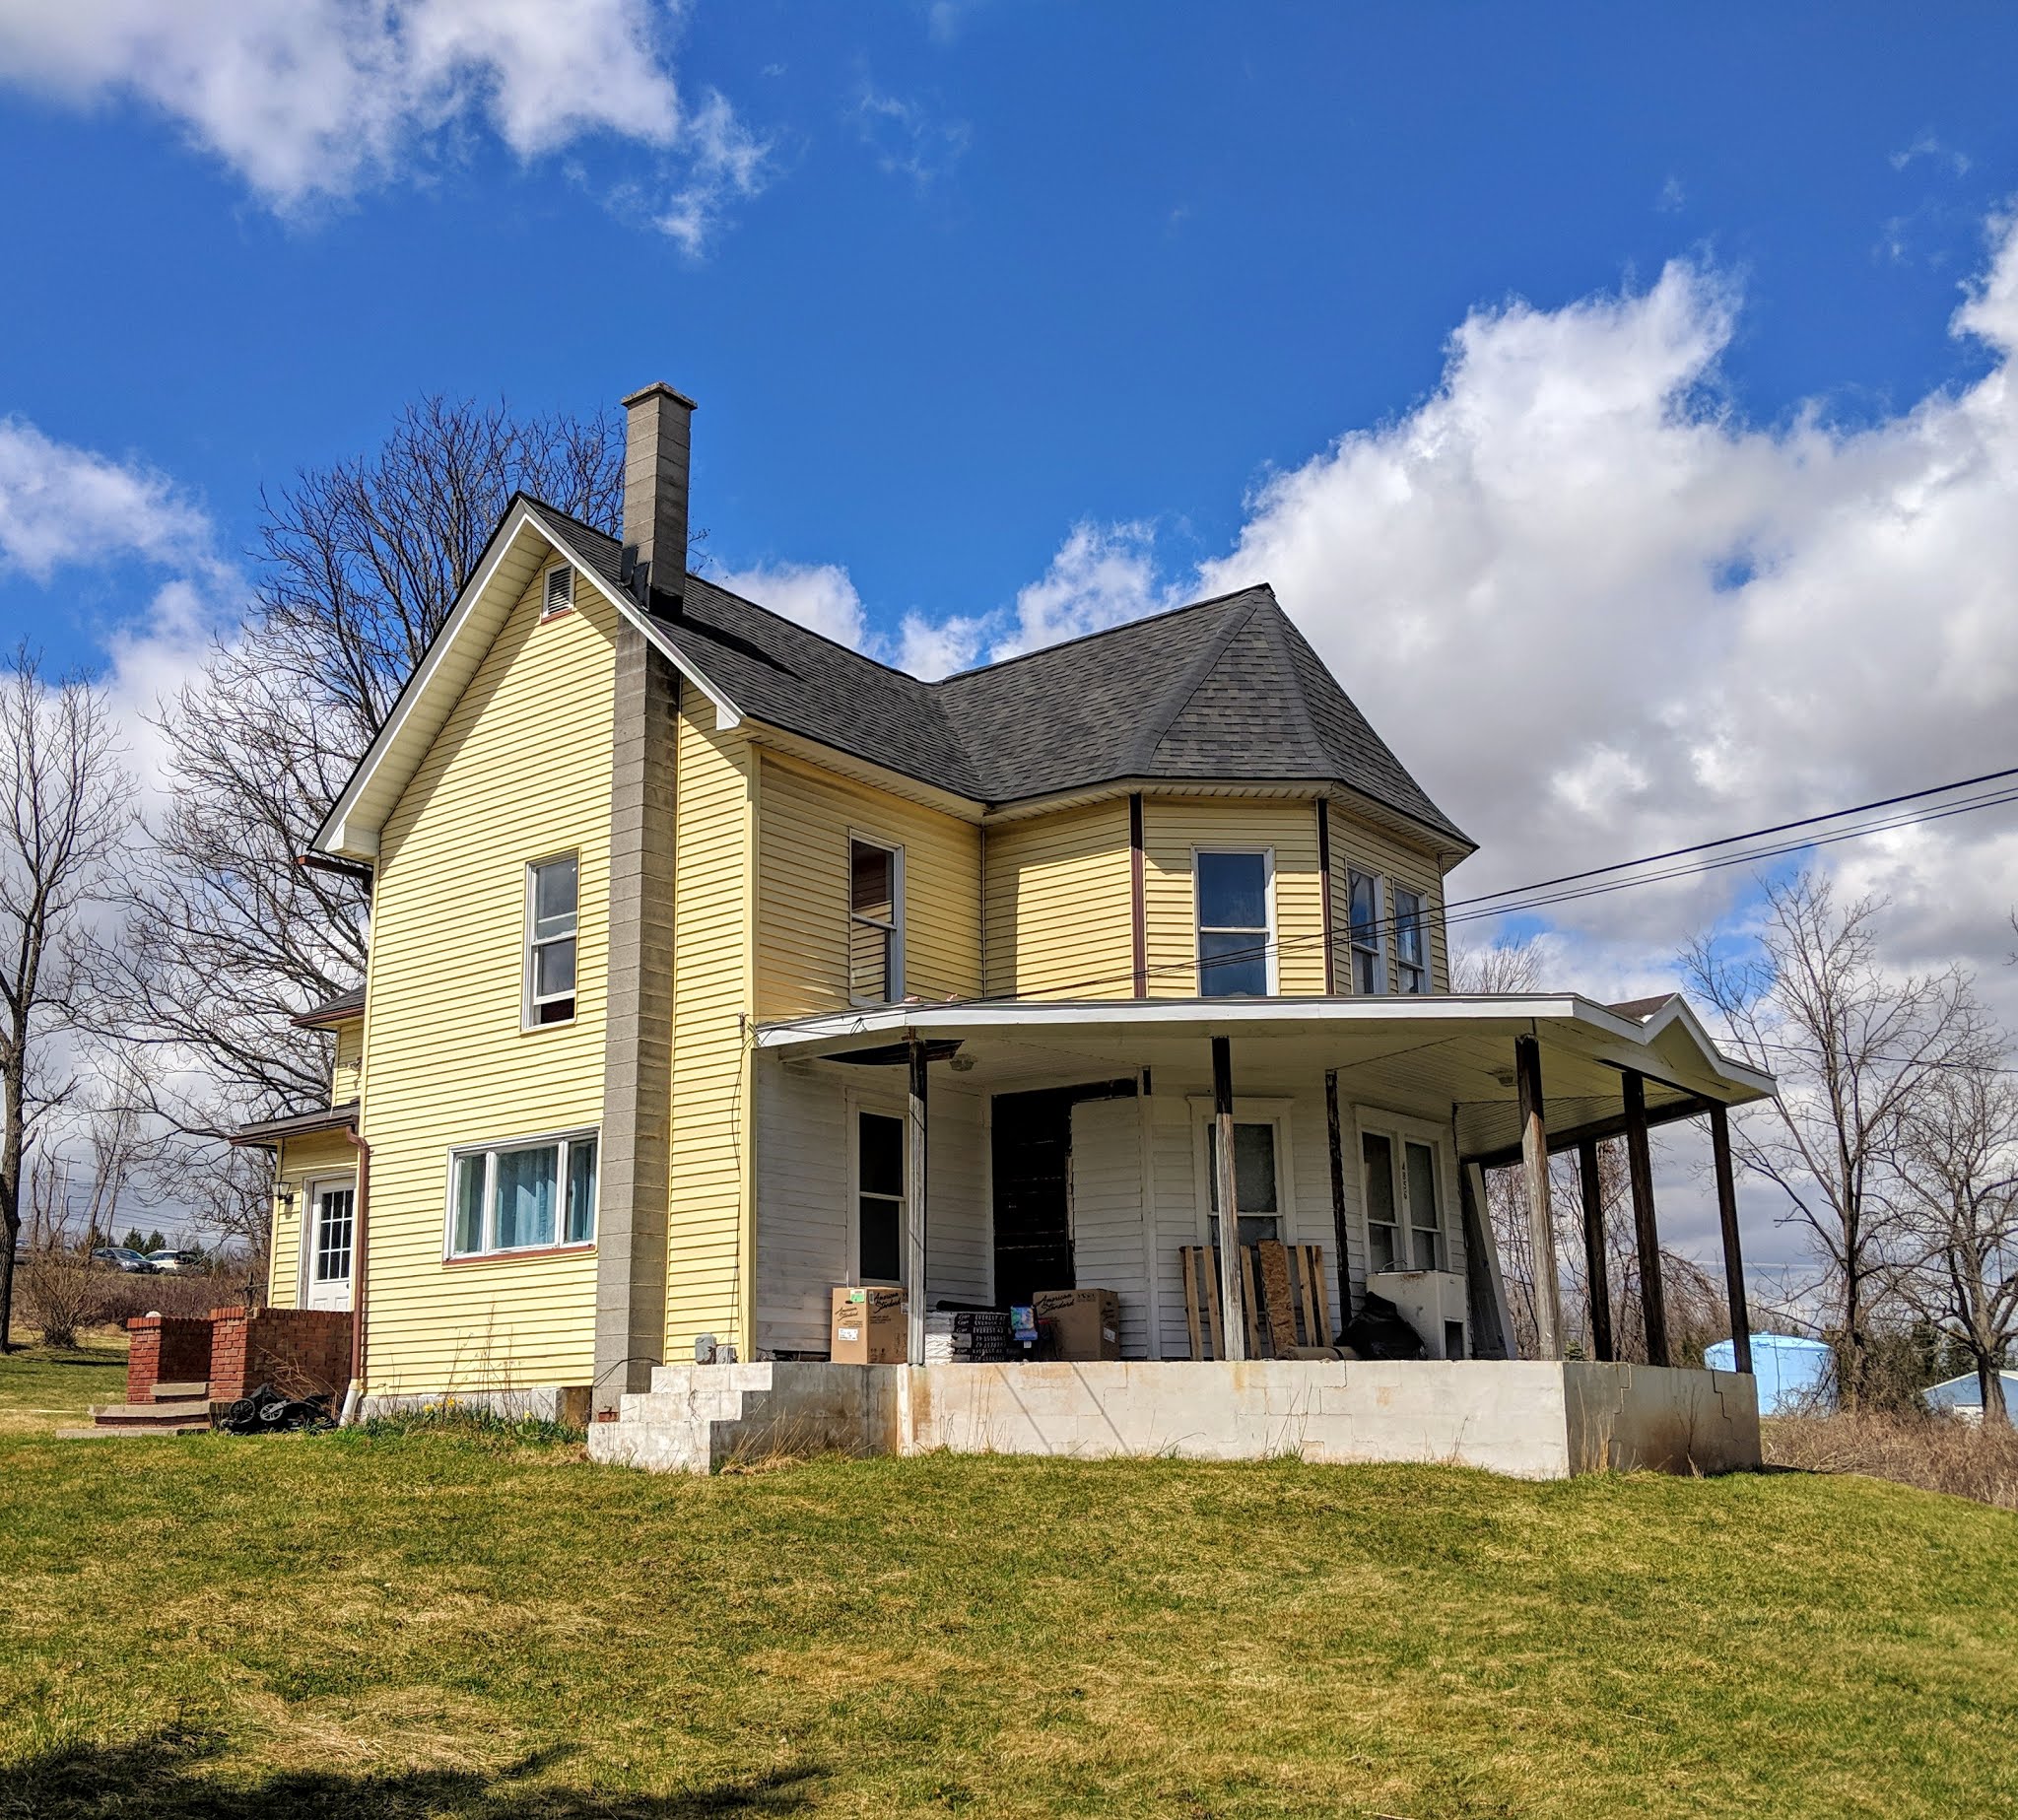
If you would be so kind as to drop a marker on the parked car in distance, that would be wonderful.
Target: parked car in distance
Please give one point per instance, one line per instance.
(120, 1257)
(175, 1263)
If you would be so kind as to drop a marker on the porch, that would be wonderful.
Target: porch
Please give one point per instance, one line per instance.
(987, 1152)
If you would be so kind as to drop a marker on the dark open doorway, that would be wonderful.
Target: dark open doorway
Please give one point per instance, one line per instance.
(1032, 1151)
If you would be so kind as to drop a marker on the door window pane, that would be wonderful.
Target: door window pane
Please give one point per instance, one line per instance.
(522, 1212)
(1384, 1246)
(1424, 1215)
(879, 1210)
(334, 1213)
(1255, 1189)
(469, 1203)
(580, 1190)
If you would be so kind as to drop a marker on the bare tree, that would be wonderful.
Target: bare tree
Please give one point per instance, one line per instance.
(232, 935)
(1857, 1050)
(1957, 1193)
(1505, 967)
(65, 811)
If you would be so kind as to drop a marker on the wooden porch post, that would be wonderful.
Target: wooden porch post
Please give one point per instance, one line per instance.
(1232, 1303)
(1652, 1297)
(1727, 1218)
(914, 1204)
(1534, 1166)
(1335, 1139)
(1596, 1278)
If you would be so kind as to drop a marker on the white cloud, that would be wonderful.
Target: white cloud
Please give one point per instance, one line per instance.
(311, 100)
(908, 138)
(60, 505)
(818, 595)
(1927, 146)
(1101, 575)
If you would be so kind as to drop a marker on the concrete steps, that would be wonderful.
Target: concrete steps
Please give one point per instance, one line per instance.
(700, 1418)
(177, 1409)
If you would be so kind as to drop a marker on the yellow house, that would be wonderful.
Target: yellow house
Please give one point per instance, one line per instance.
(715, 966)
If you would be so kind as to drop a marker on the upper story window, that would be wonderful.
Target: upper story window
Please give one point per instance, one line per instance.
(1369, 945)
(1411, 942)
(552, 888)
(559, 593)
(1233, 924)
(875, 934)
(522, 1197)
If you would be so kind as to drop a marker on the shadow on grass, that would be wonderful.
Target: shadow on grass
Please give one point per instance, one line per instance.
(164, 1775)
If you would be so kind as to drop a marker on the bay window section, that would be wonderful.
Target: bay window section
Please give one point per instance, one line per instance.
(1411, 942)
(522, 1197)
(875, 945)
(1369, 950)
(1233, 924)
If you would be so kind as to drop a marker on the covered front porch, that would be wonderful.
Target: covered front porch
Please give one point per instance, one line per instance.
(982, 1153)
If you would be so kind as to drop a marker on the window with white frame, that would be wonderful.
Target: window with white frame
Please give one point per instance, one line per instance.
(1233, 924)
(528, 1196)
(1411, 942)
(552, 890)
(875, 945)
(879, 1198)
(558, 595)
(1405, 1202)
(1258, 1182)
(1369, 947)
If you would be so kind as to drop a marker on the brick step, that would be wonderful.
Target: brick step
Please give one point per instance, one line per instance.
(151, 1415)
(195, 1393)
(133, 1431)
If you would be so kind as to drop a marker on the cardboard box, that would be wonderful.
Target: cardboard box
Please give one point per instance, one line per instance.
(1085, 1323)
(867, 1327)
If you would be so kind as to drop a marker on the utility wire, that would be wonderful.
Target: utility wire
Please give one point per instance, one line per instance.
(1575, 886)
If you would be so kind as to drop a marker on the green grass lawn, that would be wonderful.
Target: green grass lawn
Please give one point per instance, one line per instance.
(434, 1624)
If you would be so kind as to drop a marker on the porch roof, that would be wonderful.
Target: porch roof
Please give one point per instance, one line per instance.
(1452, 1051)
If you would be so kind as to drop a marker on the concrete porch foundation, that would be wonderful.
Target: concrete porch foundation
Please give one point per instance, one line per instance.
(1528, 1420)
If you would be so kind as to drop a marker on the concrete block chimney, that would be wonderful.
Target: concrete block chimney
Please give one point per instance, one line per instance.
(656, 442)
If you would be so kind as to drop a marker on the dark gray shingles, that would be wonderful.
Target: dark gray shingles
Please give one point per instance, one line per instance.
(1222, 689)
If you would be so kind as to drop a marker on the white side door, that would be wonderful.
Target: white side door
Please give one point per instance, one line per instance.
(328, 1240)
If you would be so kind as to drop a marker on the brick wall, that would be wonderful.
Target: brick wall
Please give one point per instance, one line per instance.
(166, 1349)
(297, 1351)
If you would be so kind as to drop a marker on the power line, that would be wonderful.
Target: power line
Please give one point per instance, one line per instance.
(1514, 899)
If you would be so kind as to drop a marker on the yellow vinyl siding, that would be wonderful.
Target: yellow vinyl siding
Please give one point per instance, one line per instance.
(708, 1265)
(1060, 904)
(316, 1156)
(1360, 847)
(345, 1069)
(1173, 828)
(519, 772)
(806, 818)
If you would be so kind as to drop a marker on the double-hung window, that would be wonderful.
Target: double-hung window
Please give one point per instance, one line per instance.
(1257, 1193)
(1404, 1203)
(875, 929)
(522, 1197)
(552, 887)
(1368, 949)
(1233, 924)
(1411, 942)
(879, 1198)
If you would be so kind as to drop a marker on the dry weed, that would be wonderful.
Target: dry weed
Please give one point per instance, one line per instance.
(1938, 1453)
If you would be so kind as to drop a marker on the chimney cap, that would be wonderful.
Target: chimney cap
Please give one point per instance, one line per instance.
(656, 386)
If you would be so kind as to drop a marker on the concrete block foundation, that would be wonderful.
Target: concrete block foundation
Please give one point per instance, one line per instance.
(1528, 1420)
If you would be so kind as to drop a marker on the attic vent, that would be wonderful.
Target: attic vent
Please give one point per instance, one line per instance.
(559, 591)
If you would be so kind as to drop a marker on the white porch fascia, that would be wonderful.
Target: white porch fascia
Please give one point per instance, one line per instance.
(1563, 1018)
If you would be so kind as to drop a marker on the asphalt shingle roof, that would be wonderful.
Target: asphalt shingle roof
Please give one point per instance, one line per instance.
(1226, 688)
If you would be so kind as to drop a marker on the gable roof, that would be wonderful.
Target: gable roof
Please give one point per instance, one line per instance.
(1225, 690)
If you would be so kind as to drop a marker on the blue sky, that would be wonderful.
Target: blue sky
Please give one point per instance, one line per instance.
(1625, 401)
(1015, 265)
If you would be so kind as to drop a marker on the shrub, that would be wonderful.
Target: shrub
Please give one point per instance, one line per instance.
(1940, 1453)
(121, 1297)
(61, 1293)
